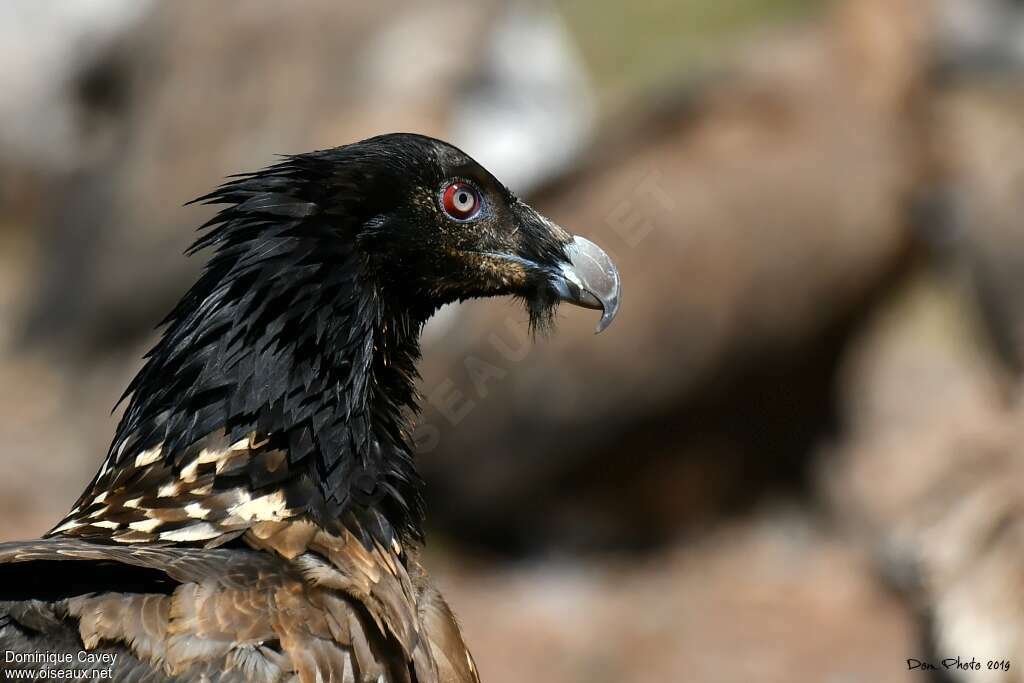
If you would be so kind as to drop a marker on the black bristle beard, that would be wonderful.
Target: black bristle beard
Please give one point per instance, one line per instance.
(541, 307)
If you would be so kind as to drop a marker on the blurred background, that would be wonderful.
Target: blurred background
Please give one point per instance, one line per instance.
(798, 455)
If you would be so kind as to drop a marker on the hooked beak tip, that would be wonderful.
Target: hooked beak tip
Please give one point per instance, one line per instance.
(590, 280)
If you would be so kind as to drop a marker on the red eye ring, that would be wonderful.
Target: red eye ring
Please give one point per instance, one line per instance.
(460, 201)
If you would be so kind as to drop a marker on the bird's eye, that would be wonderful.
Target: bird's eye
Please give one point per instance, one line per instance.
(461, 201)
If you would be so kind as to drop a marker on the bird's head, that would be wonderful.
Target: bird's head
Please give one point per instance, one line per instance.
(449, 230)
(433, 226)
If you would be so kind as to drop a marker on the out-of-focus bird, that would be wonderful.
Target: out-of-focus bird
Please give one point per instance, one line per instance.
(258, 516)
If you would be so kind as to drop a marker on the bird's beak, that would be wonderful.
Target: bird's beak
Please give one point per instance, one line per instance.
(590, 280)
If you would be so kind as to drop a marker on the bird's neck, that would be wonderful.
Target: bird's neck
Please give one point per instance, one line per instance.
(306, 384)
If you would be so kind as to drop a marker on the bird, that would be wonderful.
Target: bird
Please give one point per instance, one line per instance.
(259, 515)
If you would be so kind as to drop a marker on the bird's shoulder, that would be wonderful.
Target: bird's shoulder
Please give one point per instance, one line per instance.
(289, 602)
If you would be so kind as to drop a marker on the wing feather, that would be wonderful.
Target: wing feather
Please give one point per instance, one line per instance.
(337, 610)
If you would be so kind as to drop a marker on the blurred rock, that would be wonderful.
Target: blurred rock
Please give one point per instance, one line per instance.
(528, 111)
(980, 35)
(774, 601)
(928, 463)
(46, 49)
(980, 127)
(929, 476)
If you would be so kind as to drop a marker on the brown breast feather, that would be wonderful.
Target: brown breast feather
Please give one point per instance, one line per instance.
(304, 604)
